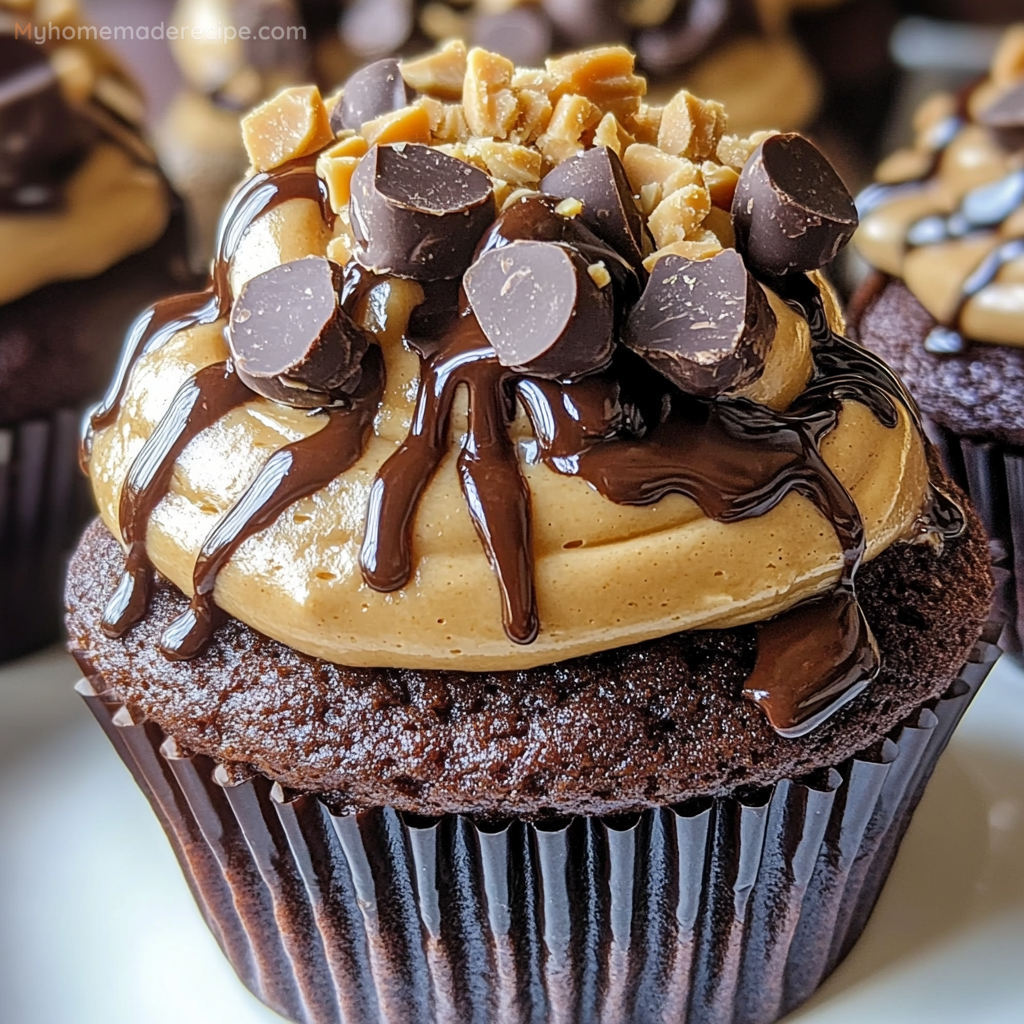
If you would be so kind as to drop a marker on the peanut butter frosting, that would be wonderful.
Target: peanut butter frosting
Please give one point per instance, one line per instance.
(499, 380)
(947, 213)
(81, 190)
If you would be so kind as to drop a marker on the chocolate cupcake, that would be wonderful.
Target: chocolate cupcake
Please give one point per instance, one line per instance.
(945, 307)
(87, 237)
(516, 597)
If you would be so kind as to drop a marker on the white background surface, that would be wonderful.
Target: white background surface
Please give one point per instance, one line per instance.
(97, 926)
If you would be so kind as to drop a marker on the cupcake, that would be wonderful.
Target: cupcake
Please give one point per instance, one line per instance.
(87, 236)
(516, 597)
(945, 307)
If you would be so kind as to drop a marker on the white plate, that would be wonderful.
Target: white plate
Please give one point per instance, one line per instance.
(97, 927)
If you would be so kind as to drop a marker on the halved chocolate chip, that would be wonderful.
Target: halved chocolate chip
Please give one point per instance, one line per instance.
(290, 339)
(598, 180)
(417, 212)
(40, 138)
(704, 324)
(791, 211)
(374, 90)
(535, 218)
(523, 34)
(543, 308)
(1006, 111)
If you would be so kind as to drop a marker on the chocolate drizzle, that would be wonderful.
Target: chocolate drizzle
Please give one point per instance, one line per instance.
(627, 431)
(982, 210)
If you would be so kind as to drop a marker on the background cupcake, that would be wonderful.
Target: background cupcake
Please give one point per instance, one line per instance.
(606, 693)
(87, 237)
(946, 307)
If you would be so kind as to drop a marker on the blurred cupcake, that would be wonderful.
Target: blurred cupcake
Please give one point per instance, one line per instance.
(515, 596)
(87, 237)
(942, 227)
(225, 74)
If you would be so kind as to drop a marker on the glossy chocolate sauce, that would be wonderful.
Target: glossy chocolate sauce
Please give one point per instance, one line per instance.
(982, 210)
(627, 431)
(202, 400)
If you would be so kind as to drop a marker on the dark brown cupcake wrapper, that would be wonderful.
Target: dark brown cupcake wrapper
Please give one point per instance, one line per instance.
(719, 910)
(44, 504)
(993, 475)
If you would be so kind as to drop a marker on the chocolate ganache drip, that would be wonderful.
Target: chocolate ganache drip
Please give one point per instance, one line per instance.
(535, 315)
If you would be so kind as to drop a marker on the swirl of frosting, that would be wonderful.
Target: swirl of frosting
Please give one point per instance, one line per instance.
(80, 191)
(946, 215)
(517, 477)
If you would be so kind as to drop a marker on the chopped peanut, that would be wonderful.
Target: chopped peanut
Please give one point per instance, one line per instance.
(611, 134)
(447, 121)
(603, 75)
(340, 249)
(719, 221)
(735, 151)
(650, 195)
(410, 124)
(645, 164)
(517, 165)
(335, 166)
(569, 208)
(534, 80)
(599, 274)
(720, 181)
(701, 247)
(533, 117)
(691, 127)
(1008, 63)
(572, 116)
(439, 73)
(75, 72)
(487, 96)
(291, 124)
(464, 152)
(679, 214)
(645, 123)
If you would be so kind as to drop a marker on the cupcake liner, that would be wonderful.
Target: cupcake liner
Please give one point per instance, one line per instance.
(719, 910)
(992, 474)
(44, 504)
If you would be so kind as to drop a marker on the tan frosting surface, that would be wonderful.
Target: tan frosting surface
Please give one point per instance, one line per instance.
(936, 273)
(606, 574)
(114, 206)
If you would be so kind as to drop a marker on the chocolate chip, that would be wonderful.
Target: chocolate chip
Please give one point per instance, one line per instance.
(543, 309)
(1006, 111)
(373, 28)
(290, 339)
(523, 34)
(791, 211)
(536, 218)
(417, 212)
(704, 324)
(40, 138)
(598, 180)
(374, 90)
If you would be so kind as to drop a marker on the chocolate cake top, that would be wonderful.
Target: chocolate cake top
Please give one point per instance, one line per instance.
(506, 379)
(946, 214)
(79, 189)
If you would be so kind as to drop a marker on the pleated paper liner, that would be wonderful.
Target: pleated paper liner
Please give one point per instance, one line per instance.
(727, 910)
(993, 475)
(44, 504)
